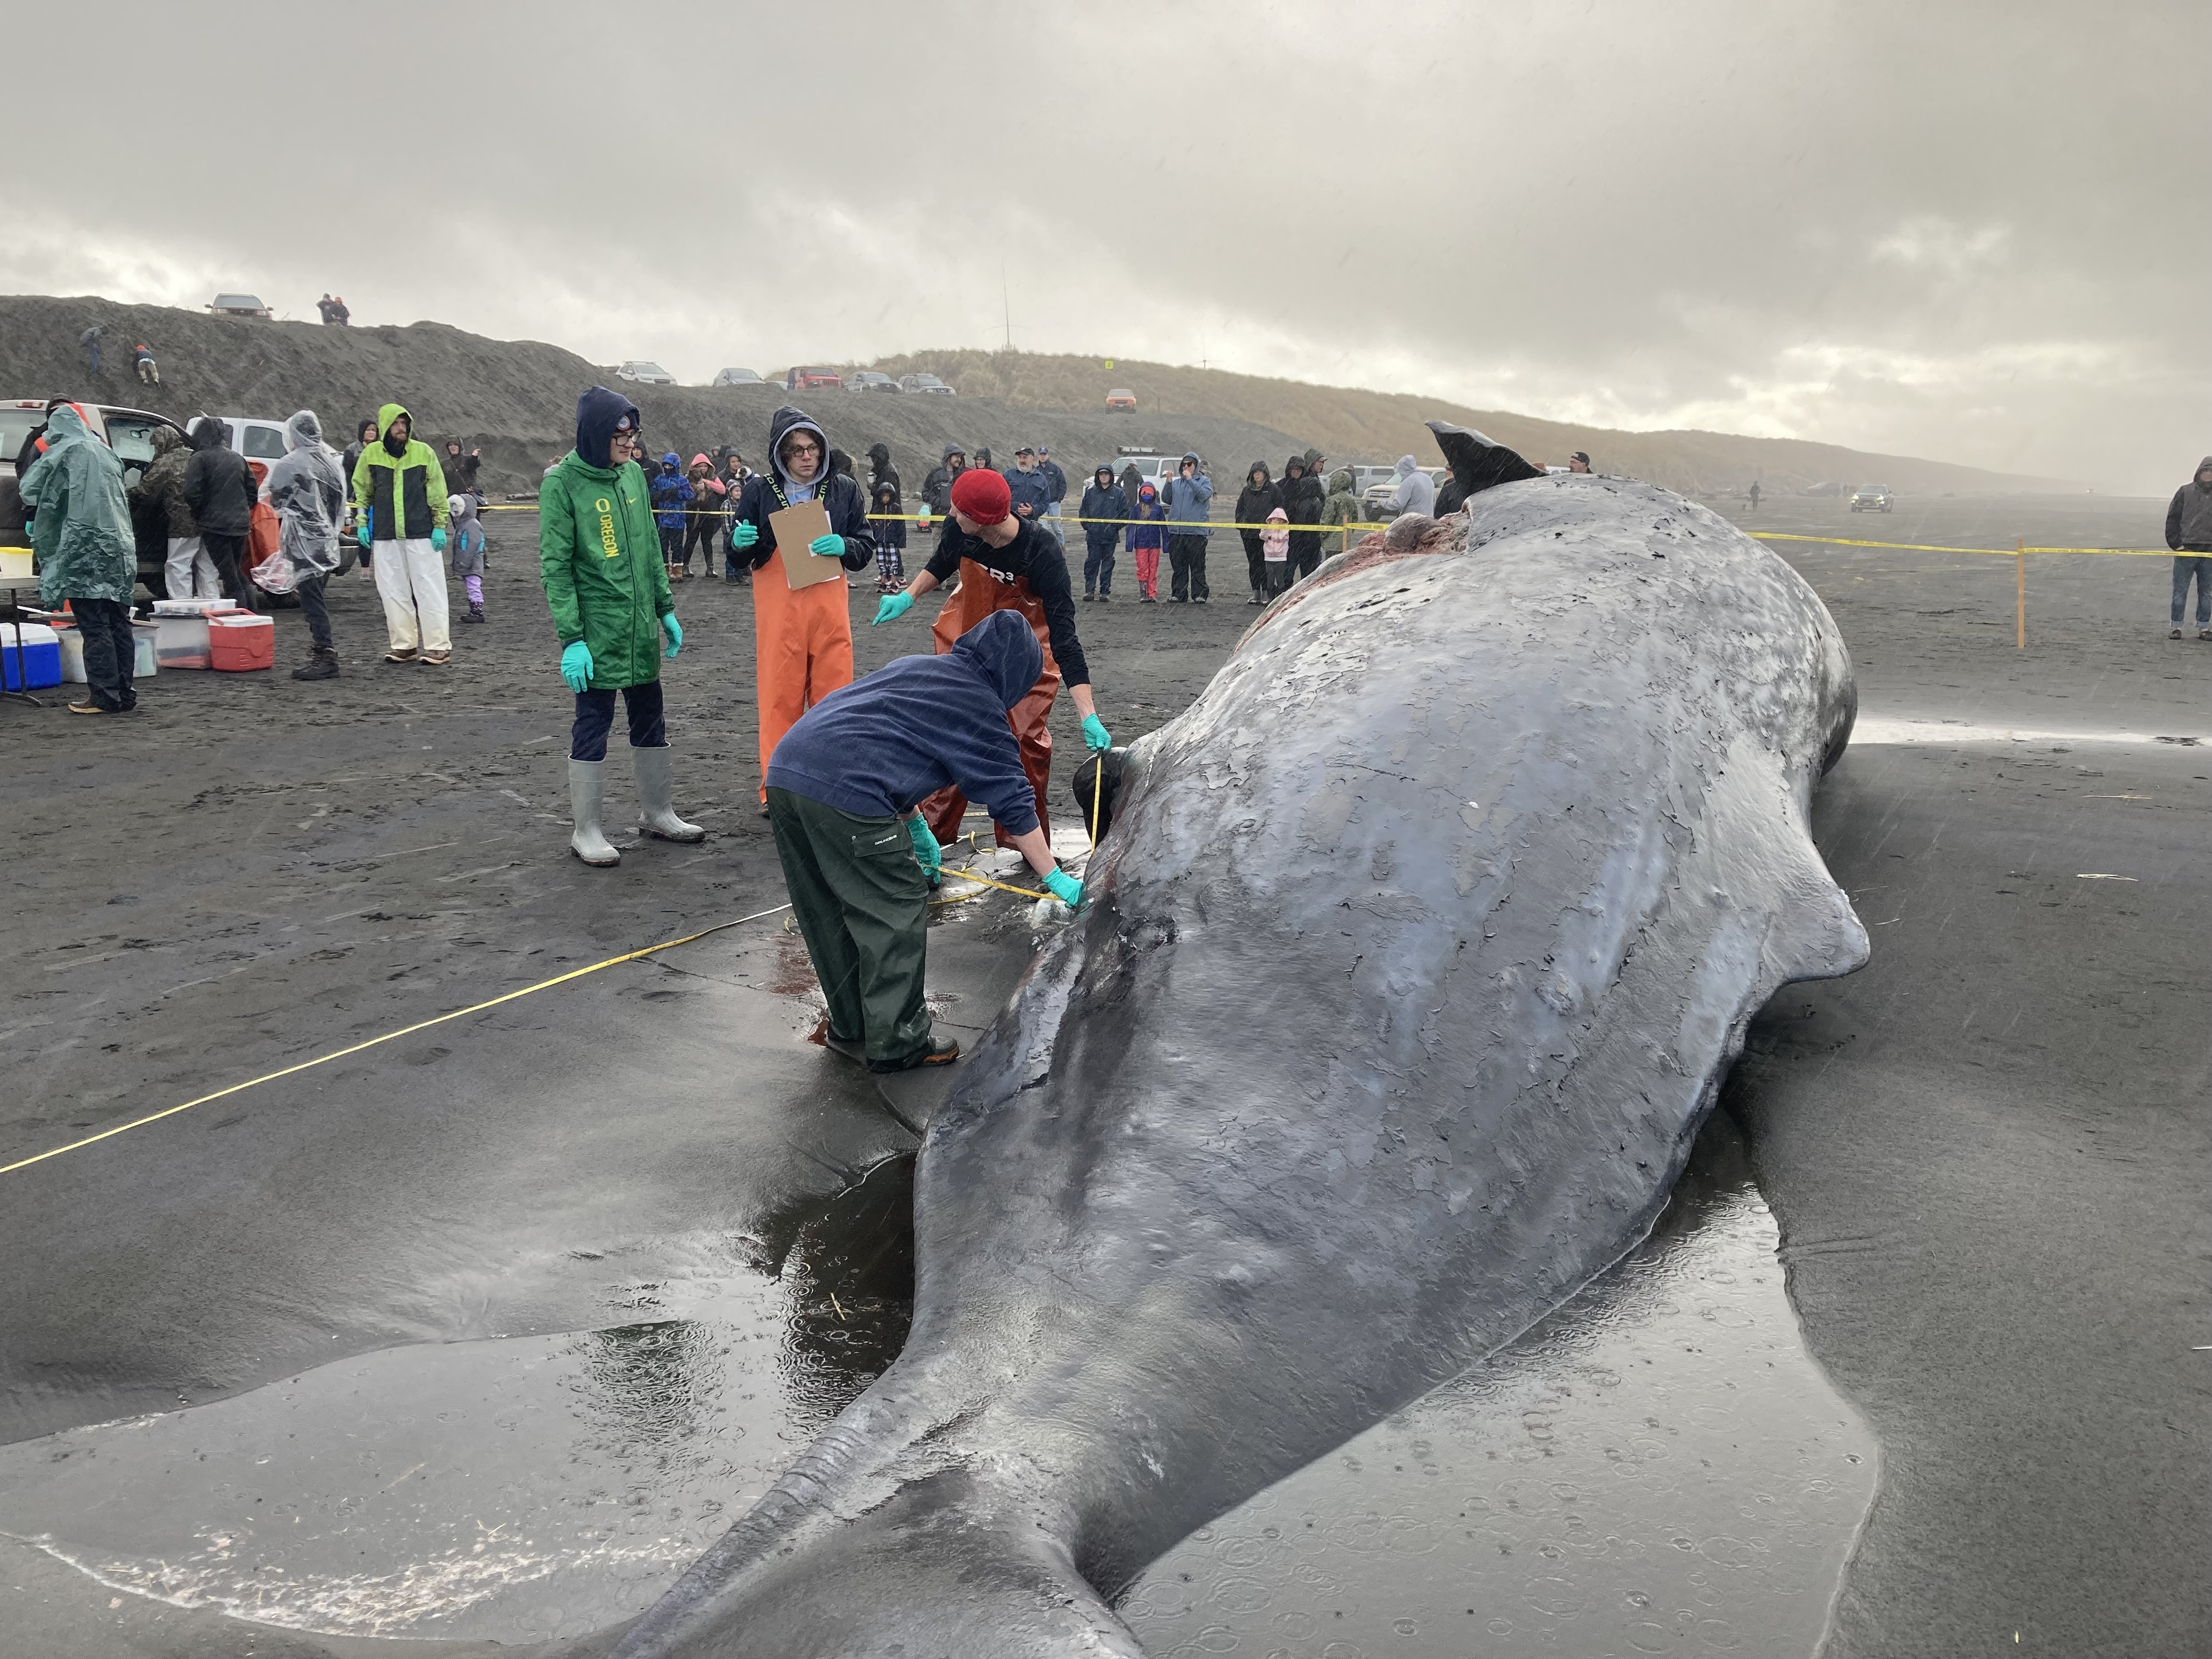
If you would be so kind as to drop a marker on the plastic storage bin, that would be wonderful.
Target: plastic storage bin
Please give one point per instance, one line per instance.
(143, 635)
(180, 640)
(239, 641)
(31, 661)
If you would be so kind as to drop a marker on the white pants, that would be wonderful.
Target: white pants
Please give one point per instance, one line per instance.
(191, 573)
(410, 580)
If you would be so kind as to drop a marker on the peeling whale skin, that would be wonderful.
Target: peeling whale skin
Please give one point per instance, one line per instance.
(1412, 963)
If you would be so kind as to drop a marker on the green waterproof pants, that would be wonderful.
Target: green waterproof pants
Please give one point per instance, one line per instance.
(863, 907)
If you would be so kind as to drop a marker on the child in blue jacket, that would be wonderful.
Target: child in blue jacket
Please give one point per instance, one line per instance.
(671, 491)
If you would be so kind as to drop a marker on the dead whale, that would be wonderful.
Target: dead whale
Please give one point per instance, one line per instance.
(1415, 955)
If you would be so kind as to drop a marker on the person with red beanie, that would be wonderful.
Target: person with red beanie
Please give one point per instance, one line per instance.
(1004, 563)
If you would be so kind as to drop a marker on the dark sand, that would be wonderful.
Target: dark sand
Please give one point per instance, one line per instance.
(1987, 1152)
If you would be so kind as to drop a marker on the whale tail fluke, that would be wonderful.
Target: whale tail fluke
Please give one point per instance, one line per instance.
(942, 1569)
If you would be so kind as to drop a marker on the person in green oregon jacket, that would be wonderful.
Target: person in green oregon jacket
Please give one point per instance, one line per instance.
(598, 555)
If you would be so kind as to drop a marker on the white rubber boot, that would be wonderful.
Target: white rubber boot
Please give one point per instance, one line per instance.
(586, 783)
(656, 798)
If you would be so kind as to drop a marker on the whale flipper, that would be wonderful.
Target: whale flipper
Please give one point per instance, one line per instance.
(1477, 463)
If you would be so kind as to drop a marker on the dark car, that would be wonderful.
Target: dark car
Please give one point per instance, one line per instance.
(128, 432)
(924, 383)
(1870, 498)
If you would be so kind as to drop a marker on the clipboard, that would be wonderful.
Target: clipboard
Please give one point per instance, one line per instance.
(794, 527)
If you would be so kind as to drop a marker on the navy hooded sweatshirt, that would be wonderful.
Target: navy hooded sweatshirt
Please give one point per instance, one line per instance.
(598, 411)
(881, 745)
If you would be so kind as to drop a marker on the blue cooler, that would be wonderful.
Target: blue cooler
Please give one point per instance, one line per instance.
(30, 656)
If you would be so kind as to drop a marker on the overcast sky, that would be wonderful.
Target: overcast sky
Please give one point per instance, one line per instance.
(1974, 232)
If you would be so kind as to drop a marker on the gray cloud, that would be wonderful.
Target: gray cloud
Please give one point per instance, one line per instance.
(1974, 232)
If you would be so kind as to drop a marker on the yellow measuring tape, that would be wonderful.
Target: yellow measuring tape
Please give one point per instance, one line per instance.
(389, 1036)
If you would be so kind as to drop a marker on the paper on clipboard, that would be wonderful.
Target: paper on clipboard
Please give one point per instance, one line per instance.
(794, 527)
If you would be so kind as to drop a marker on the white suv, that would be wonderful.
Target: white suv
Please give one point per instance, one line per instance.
(646, 374)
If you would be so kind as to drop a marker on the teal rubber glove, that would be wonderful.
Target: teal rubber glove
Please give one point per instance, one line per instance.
(438, 540)
(675, 635)
(1064, 888)
(927, 853)
(743, 534)
(1096, 738)
(362, 534)
(827, 547)
(576, 665)
(894, 606)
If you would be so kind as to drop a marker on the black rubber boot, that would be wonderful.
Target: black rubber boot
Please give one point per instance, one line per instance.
(322, 665)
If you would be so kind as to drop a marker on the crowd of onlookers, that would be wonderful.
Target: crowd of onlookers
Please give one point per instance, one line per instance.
(1121, 510)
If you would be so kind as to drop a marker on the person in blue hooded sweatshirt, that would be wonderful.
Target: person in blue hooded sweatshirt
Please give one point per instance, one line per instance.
(672, 494)
(843, 785)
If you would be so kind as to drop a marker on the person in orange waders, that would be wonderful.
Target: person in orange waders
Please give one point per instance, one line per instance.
(802, 636)
(1004, 563)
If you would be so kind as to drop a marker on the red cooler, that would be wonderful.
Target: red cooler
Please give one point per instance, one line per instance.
(239, 641)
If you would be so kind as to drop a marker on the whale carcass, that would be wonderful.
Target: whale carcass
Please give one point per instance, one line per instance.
(1410, 968)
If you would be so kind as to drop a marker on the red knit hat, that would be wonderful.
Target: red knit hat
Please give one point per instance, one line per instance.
(981, 495)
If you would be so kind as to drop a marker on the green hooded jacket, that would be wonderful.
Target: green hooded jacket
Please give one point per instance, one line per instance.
(406, 492)
(81, 527)
(1342, 507)
(598, 555)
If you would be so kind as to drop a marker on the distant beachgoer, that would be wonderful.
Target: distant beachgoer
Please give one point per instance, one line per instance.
(890, 532)
(2189, 533)
(188, 572)
(702, 513)
(461, 470)
(1031, 490)
(88, 556)
(90, 341)
(1189, 502)
(1056, 481)
(880, 468)
(1578, 462)
(1304, 497)
(1102, 503)
(399, 497)
(364, 436)
(308, 492)
(1753, 493)
(1275, 554)
(936, 488)
(1145, 537)
(1259, 496)
(672, 494)
(1341, 509)
(219, 489)
(1415, 492)
(149, 372)
(464, 548)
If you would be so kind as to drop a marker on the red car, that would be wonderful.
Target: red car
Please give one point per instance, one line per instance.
(812, 379)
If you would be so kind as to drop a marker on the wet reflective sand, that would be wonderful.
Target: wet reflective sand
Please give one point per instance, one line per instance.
(1659, 1464)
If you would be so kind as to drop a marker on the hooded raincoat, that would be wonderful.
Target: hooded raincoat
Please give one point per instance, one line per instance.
(162, 484)
(1342, 507)
(407, 491)
(599, 552)
(80, 521)
(307, 490)
(802, 636)
(1416, 492)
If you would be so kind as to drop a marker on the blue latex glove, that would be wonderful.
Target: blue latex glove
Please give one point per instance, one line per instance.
(675, 635)
(438, 539)
(1064, 888)
(827, 547)
(745, 534)
(576, 665)
(927, 853)
(894, 606)
(362, 534)
(1096, 738)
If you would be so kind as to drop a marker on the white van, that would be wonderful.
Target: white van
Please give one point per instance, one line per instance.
(257, 437)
